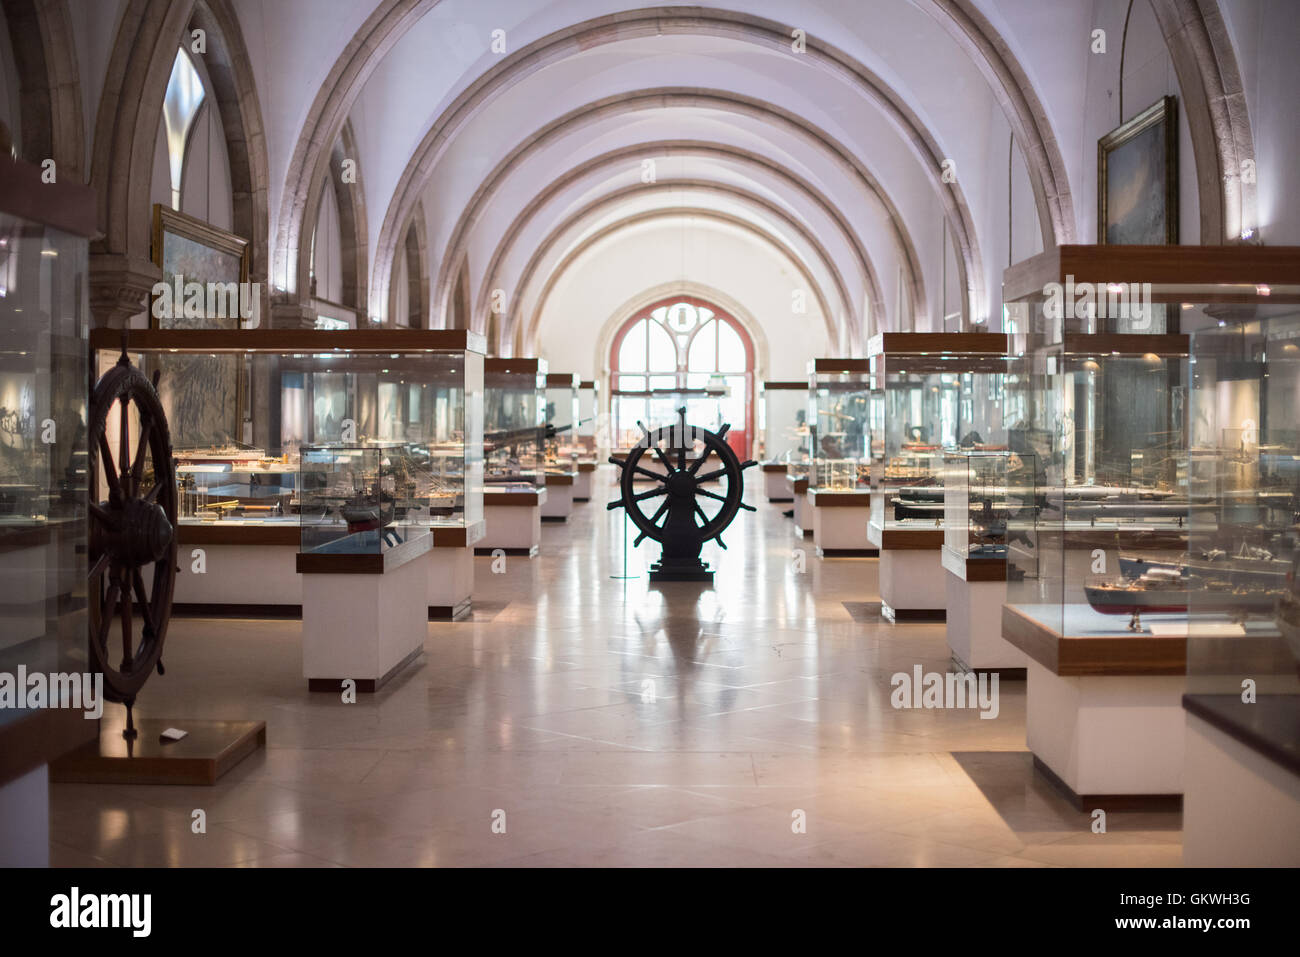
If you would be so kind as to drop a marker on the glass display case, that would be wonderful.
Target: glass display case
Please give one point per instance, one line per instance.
(588, 413)
(1098, 395)
(244, 404)
(1244, 544)
(365, 499)
(514, 438)
(562, 418)
(987, 502)
(930, 393)
(656, 408)
(785, 419)
(841, 433)
(44, 318)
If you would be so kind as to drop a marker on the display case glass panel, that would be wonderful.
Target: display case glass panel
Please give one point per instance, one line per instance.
(289, 390)
(364, 499)
(1243, 593)
(43, 465)
(588, 414)
(930, 393)
(987, 502)
(785, 419)
(657, 407)
(1099, 395)
(562, 417)
(514, 438)
(841, 438)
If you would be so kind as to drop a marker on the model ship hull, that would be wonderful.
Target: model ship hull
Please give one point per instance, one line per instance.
(1134, 597)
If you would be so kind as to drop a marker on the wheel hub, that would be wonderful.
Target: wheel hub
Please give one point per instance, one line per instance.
(681, 484)
(143, 533)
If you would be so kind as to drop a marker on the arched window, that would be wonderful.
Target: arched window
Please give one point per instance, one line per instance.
(683, 351)
(180, 108)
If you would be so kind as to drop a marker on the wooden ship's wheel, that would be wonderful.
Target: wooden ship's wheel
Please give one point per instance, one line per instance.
(680, 522)
(132, 539)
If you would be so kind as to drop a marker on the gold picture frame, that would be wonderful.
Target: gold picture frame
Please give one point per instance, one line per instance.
(197, 252)
(1137, 167)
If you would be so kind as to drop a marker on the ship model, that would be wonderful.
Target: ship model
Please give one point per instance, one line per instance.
(1245, 584)
(1286, 615)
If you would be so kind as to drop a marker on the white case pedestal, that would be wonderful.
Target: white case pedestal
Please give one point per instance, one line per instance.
(364, 626)
(514, 522)
(451, 581)
(803, 519)
(912, 584)
(974, 616)
(251, 579)
(582, 484)
(1241, 809)
(839, 524)
(774, 483)
(1107, 737)
(559, 497)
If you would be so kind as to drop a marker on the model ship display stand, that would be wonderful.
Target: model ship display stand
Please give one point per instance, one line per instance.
(1104, 702)
(132, 558)
(778, 397)
(583, 479)
(912, 583)
(839, 488)
(358, 618)
(680, 490)
(978, 526)
(797, 482)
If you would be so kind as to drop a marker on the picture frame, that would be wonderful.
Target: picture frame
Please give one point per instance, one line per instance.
(1137, 179)
(197, 252)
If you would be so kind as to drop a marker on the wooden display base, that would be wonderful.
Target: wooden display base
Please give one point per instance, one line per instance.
(456, 612)
(912, 614)
(1110, 802)
(530, 552)
(213, 610)
(364, 685)
(208, 751)
(848, 552)
(1004, 674)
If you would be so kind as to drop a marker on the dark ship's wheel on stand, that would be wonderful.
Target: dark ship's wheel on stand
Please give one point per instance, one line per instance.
(679, 512)
(132, 538)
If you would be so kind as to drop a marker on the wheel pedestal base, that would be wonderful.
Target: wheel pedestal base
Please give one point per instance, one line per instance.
(680, 570)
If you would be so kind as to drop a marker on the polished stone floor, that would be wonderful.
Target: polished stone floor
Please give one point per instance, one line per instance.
(605, 721)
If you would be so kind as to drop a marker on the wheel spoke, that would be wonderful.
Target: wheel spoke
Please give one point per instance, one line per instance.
(704, 519)
(106, 461)
(103, 516)
(650, 494)
(709, 476)
(662, 508)
(700, 461)
(153, 492)
(100, 564)
(124, 445)
(137, 468)
(705, 491)
(149, 629)
(663, 458)
(106, 621)
(644, 471)
(124, 609)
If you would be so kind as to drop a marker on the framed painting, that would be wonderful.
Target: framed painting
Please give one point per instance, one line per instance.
(1137, 179)
(188, 250)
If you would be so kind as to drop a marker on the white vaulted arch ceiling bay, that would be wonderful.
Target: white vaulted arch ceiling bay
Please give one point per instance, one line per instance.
(539, 256)
(435, 109)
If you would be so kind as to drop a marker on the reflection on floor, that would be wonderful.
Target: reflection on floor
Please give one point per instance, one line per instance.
(607, 722)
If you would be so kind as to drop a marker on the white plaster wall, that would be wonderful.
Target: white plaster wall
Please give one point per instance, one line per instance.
(593, 292)
(1266, 37)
